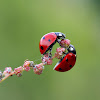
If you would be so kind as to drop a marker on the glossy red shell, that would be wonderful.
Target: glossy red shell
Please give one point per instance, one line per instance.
(46, 41)
(67, 63)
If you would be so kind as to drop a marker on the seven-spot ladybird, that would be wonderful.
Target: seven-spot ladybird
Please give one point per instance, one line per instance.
(68, 61)
(48, 40)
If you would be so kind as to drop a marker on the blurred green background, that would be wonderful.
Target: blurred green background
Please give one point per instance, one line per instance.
(24, 22)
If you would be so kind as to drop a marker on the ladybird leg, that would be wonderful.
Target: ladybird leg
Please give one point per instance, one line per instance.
(50, 54)
(58, 40)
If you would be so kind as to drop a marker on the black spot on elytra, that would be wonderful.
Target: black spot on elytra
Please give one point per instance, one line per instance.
(72, 56)
(70, 66)
(43, 37)
(66, 59)
(49, 40)
(60, 69)
(41, 47)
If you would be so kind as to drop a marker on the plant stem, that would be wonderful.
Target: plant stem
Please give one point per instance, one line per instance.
(7, 76)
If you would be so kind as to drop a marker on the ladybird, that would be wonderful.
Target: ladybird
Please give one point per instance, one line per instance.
(68, 61)
(47, 41)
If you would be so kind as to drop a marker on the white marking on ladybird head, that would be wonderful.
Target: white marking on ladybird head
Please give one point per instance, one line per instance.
(60, 34)
(71, 48)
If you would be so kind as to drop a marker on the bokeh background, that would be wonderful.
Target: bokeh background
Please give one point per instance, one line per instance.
(24, 22)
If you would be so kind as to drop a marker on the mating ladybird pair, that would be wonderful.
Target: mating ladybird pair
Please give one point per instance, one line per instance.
(67, 59)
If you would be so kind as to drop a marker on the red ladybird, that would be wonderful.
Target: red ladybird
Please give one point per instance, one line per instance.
(48, 40)
(68, 61)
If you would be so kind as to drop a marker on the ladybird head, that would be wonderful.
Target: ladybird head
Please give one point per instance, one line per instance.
(71, 49)
(60, 35)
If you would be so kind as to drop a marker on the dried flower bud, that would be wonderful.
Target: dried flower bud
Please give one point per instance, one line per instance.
(31, 63)
(18, 70)
(19, 74)
(47, 60)
(7, 71)
(64, 43)
(38, 69)
(59, 52)
(26, 66)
